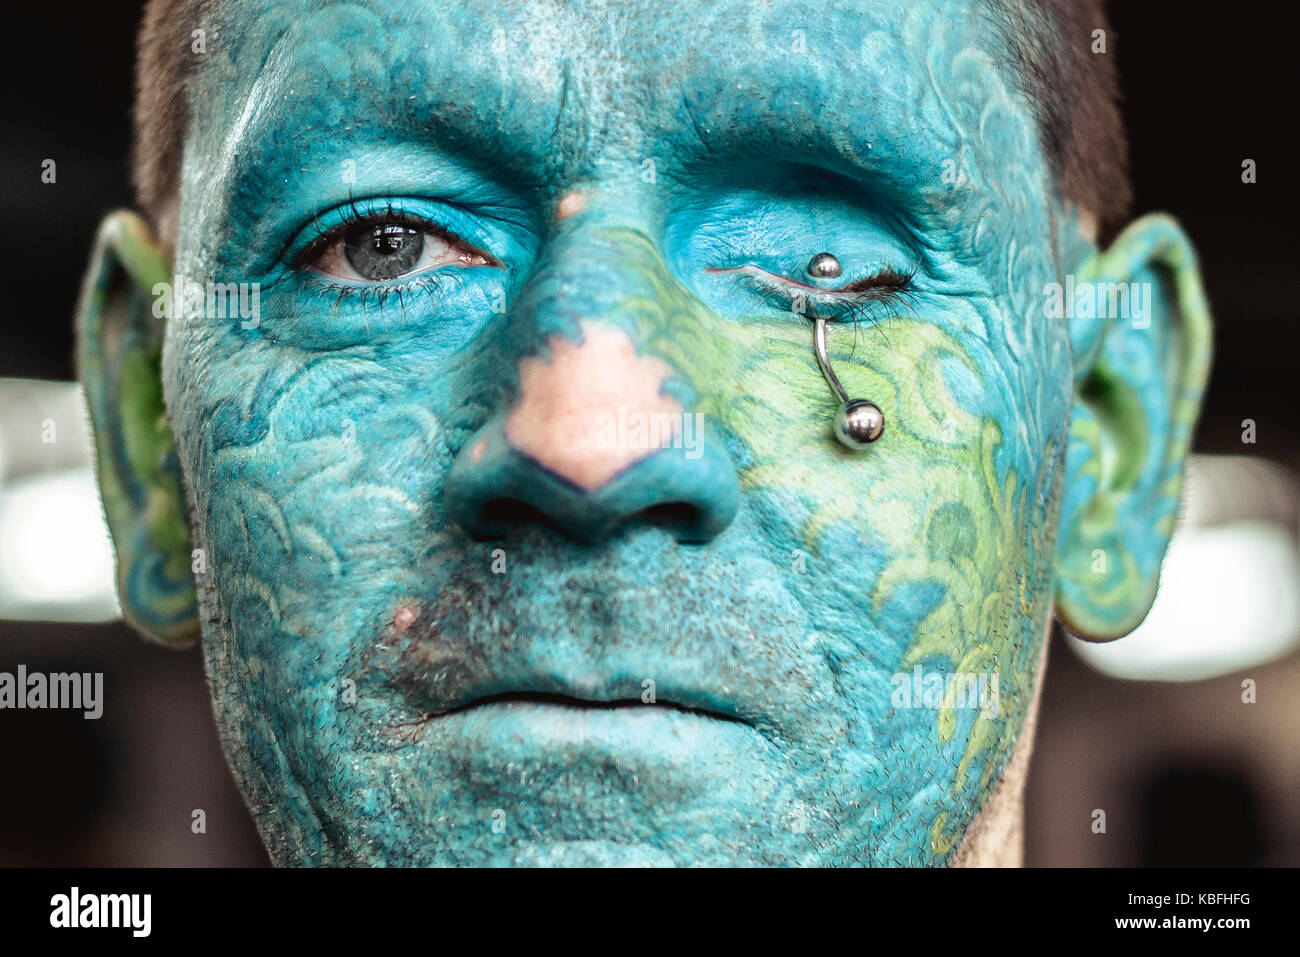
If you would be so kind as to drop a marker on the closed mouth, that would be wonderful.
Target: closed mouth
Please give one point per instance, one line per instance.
(585, 704)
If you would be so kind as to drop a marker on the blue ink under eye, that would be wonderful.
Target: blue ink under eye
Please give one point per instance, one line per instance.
(401, 291)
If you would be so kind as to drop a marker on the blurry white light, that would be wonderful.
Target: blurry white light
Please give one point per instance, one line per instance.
(56, 561)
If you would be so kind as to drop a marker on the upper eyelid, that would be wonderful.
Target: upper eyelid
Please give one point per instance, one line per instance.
(316, 236)
(316, 232)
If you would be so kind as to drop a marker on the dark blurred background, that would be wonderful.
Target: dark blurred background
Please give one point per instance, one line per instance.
(1186, 772)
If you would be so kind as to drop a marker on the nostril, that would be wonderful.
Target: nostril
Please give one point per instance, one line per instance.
(509, 510)
(502, 513)
(680, 518)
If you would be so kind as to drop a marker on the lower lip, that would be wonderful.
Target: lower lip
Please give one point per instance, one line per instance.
(641, 728)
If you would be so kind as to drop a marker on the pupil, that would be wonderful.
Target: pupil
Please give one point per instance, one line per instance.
(386, 251)
(391, 239)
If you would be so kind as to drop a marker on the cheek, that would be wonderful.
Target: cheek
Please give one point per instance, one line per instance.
(939, 533)
(315, 482)
(938, 537)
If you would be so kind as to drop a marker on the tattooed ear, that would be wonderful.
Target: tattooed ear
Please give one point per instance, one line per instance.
(119, 350)
(1140, 330)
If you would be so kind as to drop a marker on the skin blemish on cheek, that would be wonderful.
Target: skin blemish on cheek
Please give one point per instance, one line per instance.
(571, 204)
(476, 453)
(572, 404)
(403, 618)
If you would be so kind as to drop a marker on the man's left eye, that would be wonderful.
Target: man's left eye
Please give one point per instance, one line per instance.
(385, 251)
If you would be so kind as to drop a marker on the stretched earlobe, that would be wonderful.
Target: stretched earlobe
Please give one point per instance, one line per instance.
(1141, 333)
(119, 350)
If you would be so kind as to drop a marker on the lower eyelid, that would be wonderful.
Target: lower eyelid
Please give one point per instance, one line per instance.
(821, 303)
(426, 282)
(334, 280)
(785, 292)
(762, 278)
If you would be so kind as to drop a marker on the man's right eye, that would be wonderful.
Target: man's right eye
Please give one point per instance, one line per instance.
(386, 250)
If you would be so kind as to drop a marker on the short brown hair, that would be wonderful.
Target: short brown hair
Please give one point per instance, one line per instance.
(164, 65)
(1075, 93)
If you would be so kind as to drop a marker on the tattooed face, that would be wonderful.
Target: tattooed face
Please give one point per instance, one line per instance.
(526, 536)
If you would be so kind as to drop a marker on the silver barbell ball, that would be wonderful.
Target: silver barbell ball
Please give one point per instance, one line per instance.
(823, 266)
(858, 423)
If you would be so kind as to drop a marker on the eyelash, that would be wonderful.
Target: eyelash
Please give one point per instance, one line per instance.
(886, 289)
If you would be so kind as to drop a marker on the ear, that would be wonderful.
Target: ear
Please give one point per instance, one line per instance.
(119, 350)
(1140, 331)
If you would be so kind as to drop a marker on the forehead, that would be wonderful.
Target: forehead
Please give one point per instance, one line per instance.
(540, 90)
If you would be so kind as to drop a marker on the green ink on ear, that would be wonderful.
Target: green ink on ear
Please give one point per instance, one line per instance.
(1139, 387)
(119, 352)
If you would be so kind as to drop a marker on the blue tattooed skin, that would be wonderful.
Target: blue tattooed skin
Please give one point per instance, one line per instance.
(457, 606)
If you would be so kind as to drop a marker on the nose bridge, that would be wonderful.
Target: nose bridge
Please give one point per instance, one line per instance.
(594, 375)
(596, 271)
(603, 428)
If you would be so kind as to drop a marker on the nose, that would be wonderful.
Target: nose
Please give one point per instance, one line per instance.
(602, 434)
(593, 446)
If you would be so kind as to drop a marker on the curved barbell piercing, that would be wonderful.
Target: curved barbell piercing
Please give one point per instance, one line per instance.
(858, 422)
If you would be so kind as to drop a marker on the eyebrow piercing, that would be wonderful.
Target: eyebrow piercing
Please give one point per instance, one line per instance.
(823, 266)
(858, 422)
